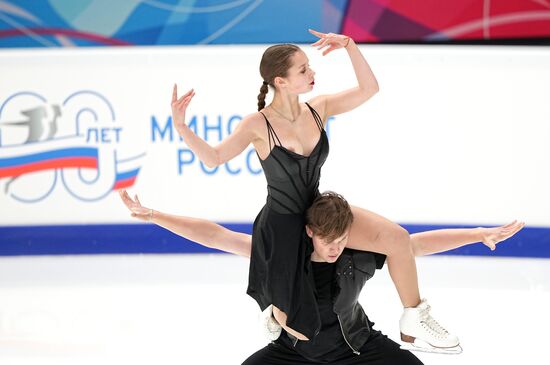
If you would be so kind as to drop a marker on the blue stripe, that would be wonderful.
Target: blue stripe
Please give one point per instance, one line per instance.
(149, 238)
(127, 175)
(49, 155)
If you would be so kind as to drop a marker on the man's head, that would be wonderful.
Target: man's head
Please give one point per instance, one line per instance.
(328, 222)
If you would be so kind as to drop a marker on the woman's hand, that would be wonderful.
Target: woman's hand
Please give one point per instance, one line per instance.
(138, 210)
(331, 40)
(179, 106)
(491, 236)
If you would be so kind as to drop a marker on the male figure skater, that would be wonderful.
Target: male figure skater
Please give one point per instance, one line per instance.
(346, 335)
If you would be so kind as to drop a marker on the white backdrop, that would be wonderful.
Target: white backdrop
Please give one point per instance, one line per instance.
(455, 135)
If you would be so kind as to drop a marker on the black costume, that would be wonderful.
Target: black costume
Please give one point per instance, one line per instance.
(346, 336)
(279, 254)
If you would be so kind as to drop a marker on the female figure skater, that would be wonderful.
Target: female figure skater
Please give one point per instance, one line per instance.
(346, 335)
(292, 145)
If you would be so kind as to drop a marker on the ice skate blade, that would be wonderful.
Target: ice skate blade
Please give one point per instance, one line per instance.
(419, 345)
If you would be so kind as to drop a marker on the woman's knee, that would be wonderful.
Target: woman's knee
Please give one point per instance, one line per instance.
(400, 240)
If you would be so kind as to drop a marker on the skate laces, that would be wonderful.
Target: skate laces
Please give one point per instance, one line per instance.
(431, 323)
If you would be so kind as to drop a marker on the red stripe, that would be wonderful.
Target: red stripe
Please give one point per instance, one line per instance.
(121, 184)
(68, 32)
(81, 162)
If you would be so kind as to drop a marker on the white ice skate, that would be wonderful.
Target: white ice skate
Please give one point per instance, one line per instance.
(420, 332)
(270, 327)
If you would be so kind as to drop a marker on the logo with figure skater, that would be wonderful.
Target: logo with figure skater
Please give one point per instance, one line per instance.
(76, 143)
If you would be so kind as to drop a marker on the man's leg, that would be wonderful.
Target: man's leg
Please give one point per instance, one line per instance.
(275, 354)
(380, 350)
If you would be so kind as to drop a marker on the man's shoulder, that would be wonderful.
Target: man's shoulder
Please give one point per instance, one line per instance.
(362, 256)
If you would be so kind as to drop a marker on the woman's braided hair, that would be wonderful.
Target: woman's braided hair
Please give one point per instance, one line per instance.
(275, 62)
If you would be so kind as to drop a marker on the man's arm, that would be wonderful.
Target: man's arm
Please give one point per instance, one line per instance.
(201, 231)
(441, 240)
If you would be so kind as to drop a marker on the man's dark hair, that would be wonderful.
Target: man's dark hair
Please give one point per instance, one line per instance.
(329, 216)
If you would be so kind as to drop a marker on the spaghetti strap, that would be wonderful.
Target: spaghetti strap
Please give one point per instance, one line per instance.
(271, 135)
(317, 118)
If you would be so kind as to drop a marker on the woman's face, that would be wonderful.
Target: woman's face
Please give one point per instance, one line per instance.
(300, 77)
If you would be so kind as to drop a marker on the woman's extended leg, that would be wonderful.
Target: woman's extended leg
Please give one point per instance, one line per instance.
(372, 232)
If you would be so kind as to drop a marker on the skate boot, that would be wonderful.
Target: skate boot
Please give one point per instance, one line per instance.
(270, 327)
(420, 332)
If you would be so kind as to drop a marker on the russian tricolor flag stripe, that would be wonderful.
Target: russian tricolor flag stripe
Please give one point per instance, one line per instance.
(49, 165)
(75, 157)
(125, 179)
(70, 152)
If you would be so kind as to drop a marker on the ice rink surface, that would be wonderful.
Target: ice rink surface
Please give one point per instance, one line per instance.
(192, 309)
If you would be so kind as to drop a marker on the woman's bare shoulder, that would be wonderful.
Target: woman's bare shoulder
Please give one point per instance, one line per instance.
(254, 122)
(254, 119)
(318, 103)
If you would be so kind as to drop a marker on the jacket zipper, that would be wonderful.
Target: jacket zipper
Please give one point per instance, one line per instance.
(345, 339)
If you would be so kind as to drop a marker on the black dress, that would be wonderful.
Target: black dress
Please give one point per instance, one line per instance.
(279, 273)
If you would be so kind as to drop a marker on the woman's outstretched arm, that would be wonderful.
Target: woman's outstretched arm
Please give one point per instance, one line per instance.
(350, 99)
(441, 240)
(212, 156)
(201, 231)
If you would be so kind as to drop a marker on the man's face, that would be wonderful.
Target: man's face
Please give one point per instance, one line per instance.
(327, 251)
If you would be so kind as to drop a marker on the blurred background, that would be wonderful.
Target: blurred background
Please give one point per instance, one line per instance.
(457, 137)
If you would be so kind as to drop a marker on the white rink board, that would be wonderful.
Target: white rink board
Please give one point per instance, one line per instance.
(456, 134)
